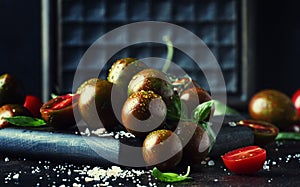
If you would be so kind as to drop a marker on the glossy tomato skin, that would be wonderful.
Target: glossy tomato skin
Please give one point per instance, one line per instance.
(274, 107)
(33, 104)
(264, 132)
(245, 160)
(60, 112)
(162, 149)
(296, 100)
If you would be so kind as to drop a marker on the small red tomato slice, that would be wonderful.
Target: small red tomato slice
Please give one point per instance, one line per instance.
(33, 104)
(245, 160)
(296, 100)
(66, 100)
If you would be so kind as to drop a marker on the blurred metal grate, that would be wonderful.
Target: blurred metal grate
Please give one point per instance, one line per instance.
(218, 23)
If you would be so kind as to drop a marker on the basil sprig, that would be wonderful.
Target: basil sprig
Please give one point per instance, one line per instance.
(170, 177)
(177, 110)
(223, 109)
(25, 121)
(200, 114)
(202, 111)
(288, 136)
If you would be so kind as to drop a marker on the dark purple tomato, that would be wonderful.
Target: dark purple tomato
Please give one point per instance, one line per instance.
(11, 110)
(152, 80)
(143, 112)
(195, 141)
(264, 132)
(59, 112)
(122, 71)
(275, 107)
(95, 105)
(194, 96)
(11, 90)
(162, 149)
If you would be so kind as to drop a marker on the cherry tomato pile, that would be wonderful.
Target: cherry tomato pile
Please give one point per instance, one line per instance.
(147, 103)
(142, 101)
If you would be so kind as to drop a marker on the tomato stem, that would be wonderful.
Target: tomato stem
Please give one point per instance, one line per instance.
(169, 54)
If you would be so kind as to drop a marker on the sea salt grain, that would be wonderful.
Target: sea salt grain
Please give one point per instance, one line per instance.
(88, 179)
(270, 180)
(16, 176)
(211, 163)
(104, 184)
(76, 185)
(86, 132)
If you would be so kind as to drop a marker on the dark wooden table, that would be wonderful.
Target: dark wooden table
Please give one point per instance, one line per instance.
(282, 168)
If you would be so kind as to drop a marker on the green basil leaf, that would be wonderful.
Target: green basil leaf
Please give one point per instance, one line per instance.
(202, 111)
(288, 136)
(211, 134)
(25, 121)
(170, 177)
(222, 109)
(176, 110)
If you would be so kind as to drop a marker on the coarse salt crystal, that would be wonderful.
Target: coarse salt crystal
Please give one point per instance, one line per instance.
(88, 179)
(211, 163)
(138, 185)
(99, 131)
(266, 167)
(104, 184)
(269, 181)
(16, 176)
(76, 185)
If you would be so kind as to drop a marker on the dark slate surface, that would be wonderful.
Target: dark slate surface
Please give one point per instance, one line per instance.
(283, 159)
(44, 157)
(51, 144)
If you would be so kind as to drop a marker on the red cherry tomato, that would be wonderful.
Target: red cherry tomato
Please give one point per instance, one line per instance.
(33, 104)
(296, 100)
(245, 160)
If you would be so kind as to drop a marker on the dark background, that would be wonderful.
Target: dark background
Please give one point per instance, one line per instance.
(277, 47)
(20, 42)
